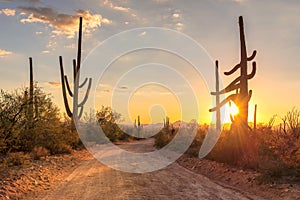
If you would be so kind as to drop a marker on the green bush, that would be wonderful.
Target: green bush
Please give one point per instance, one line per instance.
(17, 133)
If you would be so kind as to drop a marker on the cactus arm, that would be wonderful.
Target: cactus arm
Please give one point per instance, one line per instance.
(79, 47)
(252, 56)
(74, 70)
(68, 86)
(84, 82)
(233, 85)
(86, 94)
(250, 76)
(69, 113)
(249, 96)
(229, 98)
(80, 112)
(229, 88)
(231, 118)
(233, 70)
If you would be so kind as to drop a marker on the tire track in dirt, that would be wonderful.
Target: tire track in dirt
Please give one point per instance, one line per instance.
(93, 180)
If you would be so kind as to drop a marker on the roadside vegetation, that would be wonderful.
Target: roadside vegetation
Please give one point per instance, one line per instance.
(48, 133)
(272, 150)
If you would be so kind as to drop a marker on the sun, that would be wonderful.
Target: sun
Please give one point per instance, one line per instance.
(233, 109)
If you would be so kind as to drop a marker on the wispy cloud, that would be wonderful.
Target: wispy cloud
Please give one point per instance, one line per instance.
(118, 8)
(239, 1)
(8, 12)
(124, 87)
(161, 1)
(106, 90)
(143, 33)
(179, 26)
(45, 51)
(176, 15)
(4, 52)
(54, 84)
(29, 1)
(63, 24)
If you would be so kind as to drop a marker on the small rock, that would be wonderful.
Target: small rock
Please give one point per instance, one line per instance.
(228, 179)
(36, 183)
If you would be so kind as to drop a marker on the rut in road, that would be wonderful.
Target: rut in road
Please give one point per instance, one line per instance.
(93, 180)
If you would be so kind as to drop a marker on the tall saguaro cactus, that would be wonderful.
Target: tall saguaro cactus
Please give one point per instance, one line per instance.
(30, 101)
(240, 84)
(74, 114)
(218, 107)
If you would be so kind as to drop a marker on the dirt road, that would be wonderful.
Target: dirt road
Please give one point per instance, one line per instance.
(93, 180)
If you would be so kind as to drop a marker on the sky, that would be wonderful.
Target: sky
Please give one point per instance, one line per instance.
(154, 83)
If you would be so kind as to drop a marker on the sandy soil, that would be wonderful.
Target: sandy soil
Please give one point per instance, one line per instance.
(241, 179)
(80, 176)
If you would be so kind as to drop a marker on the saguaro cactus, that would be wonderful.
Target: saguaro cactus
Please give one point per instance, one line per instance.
(139, 121)
(255, 113)
(240, 84)
(218, 107)
(76, 86)
(167, 122)
(30, 101)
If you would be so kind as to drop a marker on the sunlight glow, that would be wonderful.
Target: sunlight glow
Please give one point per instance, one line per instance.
(233, 109)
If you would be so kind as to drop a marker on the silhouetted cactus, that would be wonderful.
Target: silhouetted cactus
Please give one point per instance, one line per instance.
(242, 97)
(218, 107)
(167, 122)
(255, 113)
(139, 121)
(74, 114)
(30, 100)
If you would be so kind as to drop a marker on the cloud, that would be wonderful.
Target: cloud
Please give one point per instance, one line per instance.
(123, 87)
(179, 26)
(45, 51)
(106, 90)
(55, 84)
(8, 12)
(143, 33)
(104, 85)
(63, 24)
(239, 1)
(118, 8)
(160, 1)
(176, 15)
(4, 52)
(29, 1)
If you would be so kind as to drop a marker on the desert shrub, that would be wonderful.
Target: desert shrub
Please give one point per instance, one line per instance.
(280, 147)
(16, 159)
(163, 137)
(17, 133)
(39, 152)
(12, 120)
(194, 148)
(108, 119)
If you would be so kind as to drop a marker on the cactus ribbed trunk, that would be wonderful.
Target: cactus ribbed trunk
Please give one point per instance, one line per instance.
(75, 114)
(242, 96)
(77, 74)
(30, 101)
(139, 122)
(243, 104)
(218, 113)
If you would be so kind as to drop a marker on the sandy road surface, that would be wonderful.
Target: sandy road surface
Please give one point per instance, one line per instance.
(93, 180)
